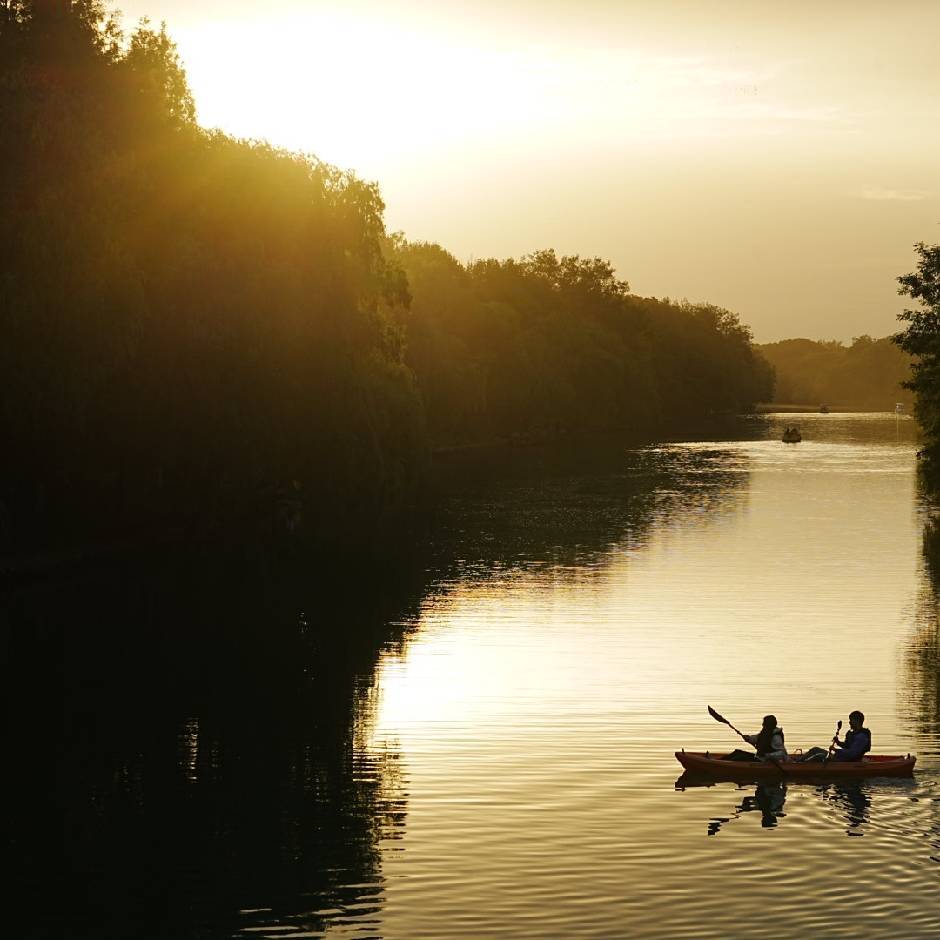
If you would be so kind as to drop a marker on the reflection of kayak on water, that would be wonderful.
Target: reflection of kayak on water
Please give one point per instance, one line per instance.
(769, 799)
(872, 765)
(849, 797)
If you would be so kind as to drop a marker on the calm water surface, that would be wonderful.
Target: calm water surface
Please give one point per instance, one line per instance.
(525, 723)
(481, 744)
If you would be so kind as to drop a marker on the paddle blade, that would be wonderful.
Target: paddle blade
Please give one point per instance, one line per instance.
(838, 725)
(717, 717)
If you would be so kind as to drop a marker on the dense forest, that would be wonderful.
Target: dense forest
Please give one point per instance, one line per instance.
(866, 375)
(559, 345)
(205, 335)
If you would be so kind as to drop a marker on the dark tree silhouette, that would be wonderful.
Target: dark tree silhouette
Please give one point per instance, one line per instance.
(191, 324)
(921, 339)
(213, 336)
(546, 344)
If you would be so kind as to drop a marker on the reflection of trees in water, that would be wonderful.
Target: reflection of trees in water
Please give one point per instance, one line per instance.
(575, 508)
(207, 756)
(206, 751)
(923, 666)
(923, 653)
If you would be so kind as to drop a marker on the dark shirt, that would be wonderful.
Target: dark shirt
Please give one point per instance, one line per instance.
(857, 744)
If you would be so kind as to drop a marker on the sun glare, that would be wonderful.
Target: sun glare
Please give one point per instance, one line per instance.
(372, 95)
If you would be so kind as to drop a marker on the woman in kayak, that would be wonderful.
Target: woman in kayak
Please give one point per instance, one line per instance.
(769, 743)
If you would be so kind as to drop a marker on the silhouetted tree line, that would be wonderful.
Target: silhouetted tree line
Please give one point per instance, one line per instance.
(212, 332)
(190, 322)
(921, 340)
(546, 344)
(868, 374)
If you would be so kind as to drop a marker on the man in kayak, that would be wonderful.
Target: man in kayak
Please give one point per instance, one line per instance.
(857, 741)
(768, 742)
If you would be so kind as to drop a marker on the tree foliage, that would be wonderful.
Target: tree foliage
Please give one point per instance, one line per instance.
(868, 374)
(921, 339)
(545, 344)
(191, 324)
(197, 331)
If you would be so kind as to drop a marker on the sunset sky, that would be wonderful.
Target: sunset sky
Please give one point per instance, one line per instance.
(776, 159)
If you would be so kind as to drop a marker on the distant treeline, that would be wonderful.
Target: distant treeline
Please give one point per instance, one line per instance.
(204, 332)
(866, 375)
(549, 344)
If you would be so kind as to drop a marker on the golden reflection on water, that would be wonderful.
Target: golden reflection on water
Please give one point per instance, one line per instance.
(536, 708)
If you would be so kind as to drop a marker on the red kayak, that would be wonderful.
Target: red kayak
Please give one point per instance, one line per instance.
(872, 765)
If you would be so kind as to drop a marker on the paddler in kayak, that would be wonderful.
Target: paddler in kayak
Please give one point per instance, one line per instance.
(768, 742)
(857, 741)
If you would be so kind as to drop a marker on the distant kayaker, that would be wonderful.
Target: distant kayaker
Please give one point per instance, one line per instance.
(768, 742)
(857, 741)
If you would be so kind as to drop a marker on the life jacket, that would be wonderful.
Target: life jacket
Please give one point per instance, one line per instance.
(765, 741)
(862, 732)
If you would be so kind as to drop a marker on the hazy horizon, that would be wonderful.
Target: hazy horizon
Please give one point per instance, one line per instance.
(777, 163)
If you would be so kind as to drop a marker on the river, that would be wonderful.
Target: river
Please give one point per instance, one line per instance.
(499, 761)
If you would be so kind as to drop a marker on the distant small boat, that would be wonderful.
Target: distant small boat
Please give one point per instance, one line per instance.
(792, 436)
(873, 765)
(824, 409)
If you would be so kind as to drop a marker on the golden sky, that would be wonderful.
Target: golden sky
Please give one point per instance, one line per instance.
(776, 159)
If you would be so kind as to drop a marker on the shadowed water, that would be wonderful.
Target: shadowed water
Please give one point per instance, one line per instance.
(489, 753)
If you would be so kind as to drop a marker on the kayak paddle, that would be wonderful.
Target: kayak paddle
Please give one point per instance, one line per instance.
(831, 746)
(724, 721)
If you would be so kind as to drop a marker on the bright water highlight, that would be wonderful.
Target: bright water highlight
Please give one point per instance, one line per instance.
(533, 707)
